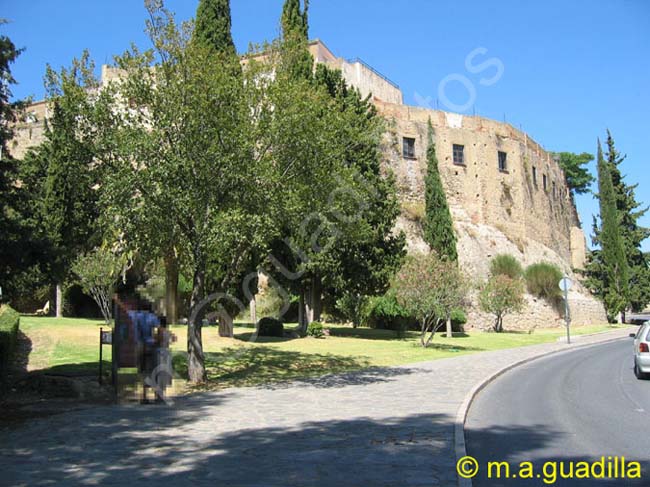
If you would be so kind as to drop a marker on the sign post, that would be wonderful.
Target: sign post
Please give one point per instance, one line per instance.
(565, 284)
(105, 338)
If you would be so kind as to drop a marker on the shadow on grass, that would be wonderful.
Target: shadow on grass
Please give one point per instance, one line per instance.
(449, 347)
(368, 333)
(81, 369)
(251, 337)
(272, 368)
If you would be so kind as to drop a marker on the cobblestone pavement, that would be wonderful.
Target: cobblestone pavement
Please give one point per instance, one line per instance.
(379, 427)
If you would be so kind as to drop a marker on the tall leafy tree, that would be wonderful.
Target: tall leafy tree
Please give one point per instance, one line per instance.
(70, 209)
(298, 62)
(632, 234)
(438, 224)
(366, 255)
(213, 26)
(189, 157)
(608, 269)
(578, 177)
(16, 236)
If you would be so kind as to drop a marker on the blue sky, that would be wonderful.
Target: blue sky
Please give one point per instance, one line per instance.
(570, 69)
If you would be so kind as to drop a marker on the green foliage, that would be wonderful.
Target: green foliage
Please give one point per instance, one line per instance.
(608, 270)
(270, 327)
(9, 325)
(500, 296)
(458, 319)
(438, 224)
(191, 164)
(430, 288)
(98, 272)
(345, 199)
(632, 235)
(315, 329)
(70, 209)
(8, 109)
(542, 280)
(385, 313)
(507, 265)
(578, 177)
(213, 26)
(22, 251)
(298, 62)
(351, 305)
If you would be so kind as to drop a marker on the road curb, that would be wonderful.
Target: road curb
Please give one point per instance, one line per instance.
(460, 447)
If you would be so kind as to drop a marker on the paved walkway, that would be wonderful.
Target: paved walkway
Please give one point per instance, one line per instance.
(381, 427)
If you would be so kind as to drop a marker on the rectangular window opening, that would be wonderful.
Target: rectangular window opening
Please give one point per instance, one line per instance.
(408, 147)
(503, 163)
(459, 154)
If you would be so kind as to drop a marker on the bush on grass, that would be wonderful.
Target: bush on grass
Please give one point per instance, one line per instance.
(458, 319)
(384, 313)
(9, 324)
(315, 329)
(270, 327)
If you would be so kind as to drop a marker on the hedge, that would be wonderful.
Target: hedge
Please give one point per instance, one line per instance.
(9, 323)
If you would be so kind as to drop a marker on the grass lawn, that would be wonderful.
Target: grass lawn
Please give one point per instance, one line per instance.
(71, 345)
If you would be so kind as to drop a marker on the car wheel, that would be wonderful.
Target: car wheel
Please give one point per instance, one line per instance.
(639, 375)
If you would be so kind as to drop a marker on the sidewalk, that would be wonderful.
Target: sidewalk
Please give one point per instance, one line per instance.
(380, 427)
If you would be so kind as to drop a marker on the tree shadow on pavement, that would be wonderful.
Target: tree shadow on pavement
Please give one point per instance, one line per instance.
(179, 445)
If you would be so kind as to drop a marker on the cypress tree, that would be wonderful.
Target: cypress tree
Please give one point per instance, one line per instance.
(438, 224)
(213, 26)
(631, 233)
(295, 35)
(613, 263)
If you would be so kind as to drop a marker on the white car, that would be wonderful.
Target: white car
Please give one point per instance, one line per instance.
(642, 351)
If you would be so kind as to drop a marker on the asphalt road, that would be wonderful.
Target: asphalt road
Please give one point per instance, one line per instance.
(575, 406)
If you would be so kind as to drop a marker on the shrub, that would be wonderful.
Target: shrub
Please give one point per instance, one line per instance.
(270, 327)
(383, 312)
(351, 305)
(458, 319)
(430, 288)
(501, 296)
(9, 323)
(315, 330)
(542, 281)
(506, 265)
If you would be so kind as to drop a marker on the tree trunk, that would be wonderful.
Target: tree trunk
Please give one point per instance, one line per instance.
(252, 305)
(450, 333)
(59, 300)
(302, 313)
(423, 333)
(225, 325)
(316, 302)
(195, 357)
(171, 288)
(498, 325)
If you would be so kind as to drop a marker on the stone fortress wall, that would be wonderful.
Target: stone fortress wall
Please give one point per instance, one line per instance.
(522, 207)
